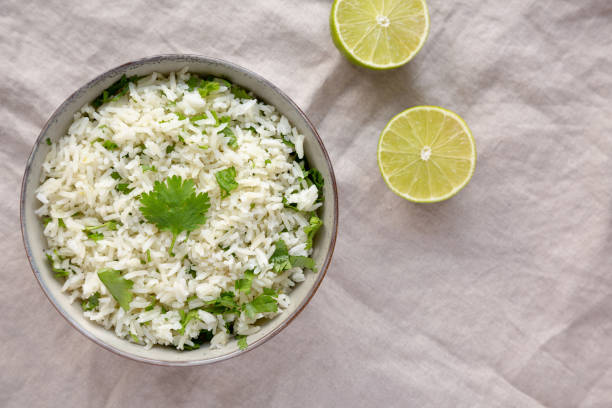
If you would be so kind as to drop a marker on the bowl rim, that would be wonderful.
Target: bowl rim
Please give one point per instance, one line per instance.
(115, 72)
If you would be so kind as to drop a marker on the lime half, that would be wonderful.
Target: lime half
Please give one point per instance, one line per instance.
(426, 154)
(379, 34)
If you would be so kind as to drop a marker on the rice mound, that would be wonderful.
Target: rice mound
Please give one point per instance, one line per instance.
(147, 135)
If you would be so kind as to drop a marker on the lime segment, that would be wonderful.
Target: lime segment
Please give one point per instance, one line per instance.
(426, 154)
(379, 34)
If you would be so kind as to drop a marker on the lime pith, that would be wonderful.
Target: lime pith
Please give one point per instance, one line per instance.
(426, 154)
(379, 34)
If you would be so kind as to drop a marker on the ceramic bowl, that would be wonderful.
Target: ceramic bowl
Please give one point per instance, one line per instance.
(57, 126)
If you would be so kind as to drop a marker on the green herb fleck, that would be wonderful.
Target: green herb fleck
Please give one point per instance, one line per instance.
(110, 225)
(195, 118)
(264, 303)
(119, 287)
(91, 302)
(186, 318)
(95, 236)
(314, 224)
(232, 141)
(146, 167)
(48, 141)
(240, 92)
(281, 260)
(169, 149)
(115, 91)
(208, 87)
(180, 115)
(225, 303)
(148, 255)
(242, 341)
(123, 188)
(174, 206)
(244, 284)
(203, 147)
(46, 220)
(115, 175)
(59, 273)
(267, 161)
(227, 181)
(110, 145)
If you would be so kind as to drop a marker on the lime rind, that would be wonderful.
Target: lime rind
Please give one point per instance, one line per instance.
(457, 188)
(344, 49)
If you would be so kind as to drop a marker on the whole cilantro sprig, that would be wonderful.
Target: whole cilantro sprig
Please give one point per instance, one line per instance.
(174, 206)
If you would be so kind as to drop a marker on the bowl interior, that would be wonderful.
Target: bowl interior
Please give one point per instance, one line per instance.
(57, 127)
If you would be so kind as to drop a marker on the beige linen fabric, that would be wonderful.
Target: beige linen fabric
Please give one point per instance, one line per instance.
(499, 297)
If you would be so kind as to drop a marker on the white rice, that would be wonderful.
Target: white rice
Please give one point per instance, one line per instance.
(77, 178)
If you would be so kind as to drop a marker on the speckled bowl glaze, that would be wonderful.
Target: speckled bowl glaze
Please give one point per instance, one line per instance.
(57, 126)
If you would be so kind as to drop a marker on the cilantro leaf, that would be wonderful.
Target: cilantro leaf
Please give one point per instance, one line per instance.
(263, 303)
(186, 318)
(280, 257)
(110, 145)
(116, 90)
(225, 303)
(193, 82)
(91, 302)
(146, 167)
(281, 260)
(95, 236)
(301, 262)
(244, 284)
(240, 92)
(314, 177)
(232, 141)
(242, 342)
(195, 118)
(169, 149)
(110, 225)
(119, 287)
(227, 181)
(208, 87)
(174, 206)
(288, 143)
(287, 204)
(123, 188)
(115, 175)
(204, 337)
(61, 223)
(224, 119)
(310, 230)
(59, 273)
(48, 141)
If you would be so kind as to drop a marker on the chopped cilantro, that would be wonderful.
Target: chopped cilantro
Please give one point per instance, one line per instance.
(91, 302)
(78, 214)
(95, 236)
(242, 341)
(281, 260)
(314, 177)
(231, 137)
(195, 118)
(252, 129)
(267, 161)
(119, 287)
(169, 149)
(252, 205)
(174, 206)
(186, 318)
(314, 224)
(193, 82)
(146, 167)
(48, 141)
(289, 143)
(134, 337)
(123, 188)
(263, 303)
(204, 337)
(61, 223)
(225, 303)
(115, 91)
(227, 181)
(287, 204)
(203, 147)
(225, 119)
(110, 225)
(244, 284)
(59, 273)
(224, 82)
(181, 139)
(280, 257)
(110, 145)
(180, 115)
(115, 175)
(240, 92)
(216, 117)
(46, 220)
(148, 255)
(208, 87)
